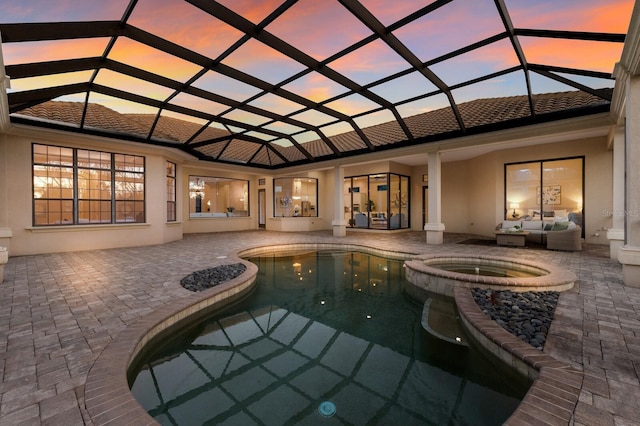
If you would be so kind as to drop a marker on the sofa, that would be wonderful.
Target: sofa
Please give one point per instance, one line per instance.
(557, 233)
(398, 221)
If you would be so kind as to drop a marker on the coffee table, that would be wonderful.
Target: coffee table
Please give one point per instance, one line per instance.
(512, 239)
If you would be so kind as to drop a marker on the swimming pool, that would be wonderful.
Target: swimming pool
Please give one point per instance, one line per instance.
(323, 327)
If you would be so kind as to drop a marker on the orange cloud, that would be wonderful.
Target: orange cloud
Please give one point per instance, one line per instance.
(352, 105)
(147, 58)
(133, 85)
(50, 80)
(588, 55)
(596, 16)
(42, 51)
(613, 17)
(315, 87)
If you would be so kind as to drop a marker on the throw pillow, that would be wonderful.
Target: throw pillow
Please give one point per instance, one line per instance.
(560, 226)
(548, 227)
(532, 225)
(511, 223)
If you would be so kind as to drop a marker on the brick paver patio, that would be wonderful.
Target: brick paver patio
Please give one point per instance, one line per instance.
(59, 311)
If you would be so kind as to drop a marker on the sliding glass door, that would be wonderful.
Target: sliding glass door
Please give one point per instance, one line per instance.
(377, 201)
(545, 190)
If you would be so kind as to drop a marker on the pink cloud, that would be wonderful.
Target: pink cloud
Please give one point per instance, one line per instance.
(370, 63)
(451, 27)
(256, 58)
(255, 11)
(311, 26)
(185, 25)
(389, 12)
(62, 10)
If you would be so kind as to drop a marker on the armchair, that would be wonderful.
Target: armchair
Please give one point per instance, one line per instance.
(362, 220)
(569, 239)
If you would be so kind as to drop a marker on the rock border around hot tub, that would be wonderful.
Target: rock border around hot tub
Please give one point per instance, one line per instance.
(440, 281)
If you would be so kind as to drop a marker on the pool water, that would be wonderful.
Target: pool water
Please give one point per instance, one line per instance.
(486, 270)
(326, 338)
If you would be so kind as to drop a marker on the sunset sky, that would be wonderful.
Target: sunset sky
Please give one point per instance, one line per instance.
(321, 29)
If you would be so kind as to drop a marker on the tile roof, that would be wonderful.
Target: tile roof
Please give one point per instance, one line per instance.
(193, 137)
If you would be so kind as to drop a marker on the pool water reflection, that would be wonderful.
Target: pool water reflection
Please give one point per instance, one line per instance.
(323, 327)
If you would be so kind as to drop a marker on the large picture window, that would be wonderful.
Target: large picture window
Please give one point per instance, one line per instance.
(295, 197)
(76, 186)
(378, 201)
(218, 197)
(549, 190)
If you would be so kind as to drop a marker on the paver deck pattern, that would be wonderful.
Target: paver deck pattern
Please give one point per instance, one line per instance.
(59, 311)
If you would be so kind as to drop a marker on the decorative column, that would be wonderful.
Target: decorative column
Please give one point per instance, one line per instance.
(434, 228)
(629, 254)
(339, 223)
(616, 233)
(6, 233)
(4, 258)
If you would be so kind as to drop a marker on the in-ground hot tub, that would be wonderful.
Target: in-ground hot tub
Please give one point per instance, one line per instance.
(443, 272)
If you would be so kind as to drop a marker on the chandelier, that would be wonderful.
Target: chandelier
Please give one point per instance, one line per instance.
(196, 188)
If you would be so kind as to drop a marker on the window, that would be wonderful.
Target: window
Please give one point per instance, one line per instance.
(545, 190)
(77, 186)
(378, 201)
(295, 197)
(171, 191)
(218, 197)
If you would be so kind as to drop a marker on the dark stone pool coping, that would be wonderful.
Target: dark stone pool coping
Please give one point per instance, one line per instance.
(550, 400)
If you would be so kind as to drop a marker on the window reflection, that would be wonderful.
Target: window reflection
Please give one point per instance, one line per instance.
(377, 201)
(218, 197)
(295, 197)
(549, 191)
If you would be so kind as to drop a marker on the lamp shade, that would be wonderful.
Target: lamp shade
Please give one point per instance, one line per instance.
(514, 205)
